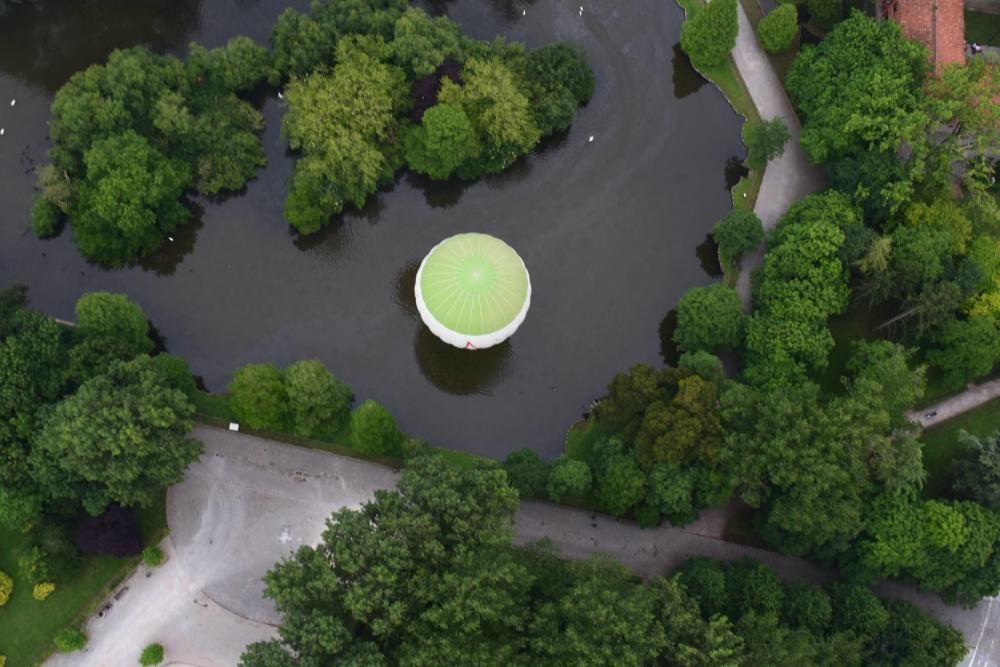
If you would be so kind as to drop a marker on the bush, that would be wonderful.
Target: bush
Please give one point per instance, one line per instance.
(703, 364)
(620, 484)
(777, 30)
(856, 609)
(752, 586)
(43, 590)
(826, 13)
(528, 473)
(152, 556)
(319, 404)
(6, 588)
(568, 477)
(69, 640)
(374, 431)
(738, 233)
(44, 217)
(808, 607)
(151, 655)
(765, 141)
(33, 566)
(709, 318)
(710, 33)
(175, 373)
(705, 581)
(257, 397)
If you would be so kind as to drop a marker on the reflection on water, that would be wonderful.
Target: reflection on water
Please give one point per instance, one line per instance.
(668, 348)
(460, 372)
(686, 77)
(45, 41)
(708, 256)
(404, 283)
(175, 247)
(734, 171)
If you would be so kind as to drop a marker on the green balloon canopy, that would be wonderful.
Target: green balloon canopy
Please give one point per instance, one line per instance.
(473, 291)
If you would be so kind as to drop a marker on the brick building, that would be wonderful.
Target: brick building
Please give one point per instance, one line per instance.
(937, 24)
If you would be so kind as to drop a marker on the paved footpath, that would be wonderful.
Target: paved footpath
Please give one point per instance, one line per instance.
(974, 396)
(788, 178)
(247, 502)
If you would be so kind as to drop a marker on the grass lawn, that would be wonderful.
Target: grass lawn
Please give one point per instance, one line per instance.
(28, 626)
(941, 444)
(582, 436)
(982, 28)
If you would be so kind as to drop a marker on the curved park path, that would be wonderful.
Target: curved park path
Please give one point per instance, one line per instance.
(974, 396)
(788, 178)
(247, 502)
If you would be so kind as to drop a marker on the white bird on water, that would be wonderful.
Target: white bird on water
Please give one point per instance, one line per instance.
(581, 10)
(523, 12)
(2, 130)
(590, 139)
(13, 102)
(280, 96)
(170, 238)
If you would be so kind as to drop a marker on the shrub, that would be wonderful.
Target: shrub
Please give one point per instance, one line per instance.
(738, 233)
(703, 364)
(826, 13)
(765, 141)
(318, 403)
(33, 566)
(152, 556)
(44, 217)
(807, 606)
(374, 431)
(710, 33)
(151, 655)
(69, 640)
(569, 477)
(752, 586)
(6, 588)
(777, 30)
(175, 373)
(43, 590)
(620, 484)
(705, 581)
(527, 473)
(257, 397)
(856, 609)
(709, 318)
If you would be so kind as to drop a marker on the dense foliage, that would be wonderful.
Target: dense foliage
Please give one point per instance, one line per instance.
(709, 33)
(778, 30)
(426, 575)
(739, 232)
(132, 135)
(765, 140)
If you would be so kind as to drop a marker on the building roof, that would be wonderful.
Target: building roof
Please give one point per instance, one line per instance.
(937, 24)
(473, 290)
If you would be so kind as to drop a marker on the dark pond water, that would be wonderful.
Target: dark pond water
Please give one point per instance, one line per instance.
(612, 231)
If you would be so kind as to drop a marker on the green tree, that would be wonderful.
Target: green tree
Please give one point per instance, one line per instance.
(568, 477)
(808, 607)
(44, 217)
(752, 586)
(888, 364)
(687, 428)
(966, 350)
(6, 588)
(528, 473)
(109, 327)
(560, 79)
(856, 609)
(318, 403)
(152, 556)
(629, 394)
(618, 480)
(421, 43)
(738, 233)
(913, 638)
(301, 44)
(765, 140)
(709, 318)
(257, 397)
(151, 655)
(69, 640)
(977, 469)
(374, 430)
(175, 373)
(705, 579)
(826, 13)
(121, 437)
(709, 34)
(443, 141)
(128, 199)
(778, 30)
(703, 364)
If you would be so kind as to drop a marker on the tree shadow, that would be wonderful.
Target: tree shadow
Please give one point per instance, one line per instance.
(164, 260)
(708, 256)
(438, 194)
(668, 348)
(403, 294)
(687, 80)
